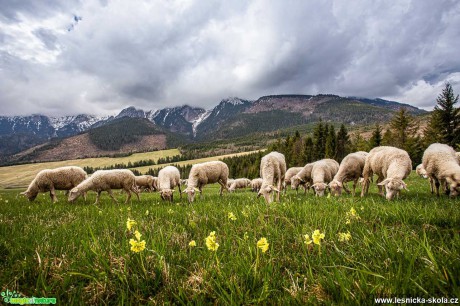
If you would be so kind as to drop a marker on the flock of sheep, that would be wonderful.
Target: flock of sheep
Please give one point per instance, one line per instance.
(441, 165)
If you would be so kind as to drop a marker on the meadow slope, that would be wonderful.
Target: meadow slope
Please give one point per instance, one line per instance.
(80, 253)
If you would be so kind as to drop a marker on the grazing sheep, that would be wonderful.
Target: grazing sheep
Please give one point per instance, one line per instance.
(287, 178)
(272, 170)
(229, 183)
(106, 180)
(303, 177)
(239, 184)
(322, 173)
(206, 173)
(63, 178)
(350, 169)
(392, 166)
(256, 184)
(145, 182)
(442, 167)
(168, 179)
(420, 170)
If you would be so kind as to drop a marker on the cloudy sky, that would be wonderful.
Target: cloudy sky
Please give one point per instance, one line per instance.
(97, 57)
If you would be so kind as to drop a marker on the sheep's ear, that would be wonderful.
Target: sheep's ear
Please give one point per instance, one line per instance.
(314, 185)
(275, 189)
(383, 183)
(23, 193)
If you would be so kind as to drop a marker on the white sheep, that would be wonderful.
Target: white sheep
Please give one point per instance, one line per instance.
(145, 182)
(272, 171)
(322, 173)
(206, 173)
(229, 183)
(441, 164)
(168, 179)
(420, 170)
(63, 178)
(350, 169)
(256, 184)
(291, 172)
(303, 177)
(239, 183)
(392, 166)
(106, 180)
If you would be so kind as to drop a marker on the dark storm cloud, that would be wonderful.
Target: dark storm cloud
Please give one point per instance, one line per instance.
(154, 54)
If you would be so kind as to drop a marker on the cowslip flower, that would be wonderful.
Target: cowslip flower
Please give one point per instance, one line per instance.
(231, 216)
(344, 236)
(317, 237)
(192, 244)
(211, 243)
(307, 239)
(351, 215)
(130, 223)
(263, 244)
(137, 246)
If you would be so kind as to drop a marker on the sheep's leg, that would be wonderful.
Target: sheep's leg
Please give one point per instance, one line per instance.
(279, 188)
(180, 192)
(129, 195)
(380, 179)
(53, 195)
(285, 188)
(84, 196)
(431, 184)
(97, 197)
(111, 195)
(365, 187)
(436, 183)
(133, 189)
(355, 182)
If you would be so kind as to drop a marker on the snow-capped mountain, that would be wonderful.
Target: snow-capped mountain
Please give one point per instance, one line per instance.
(230, 118)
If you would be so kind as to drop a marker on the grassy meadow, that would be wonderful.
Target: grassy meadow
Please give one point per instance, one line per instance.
(80, 253)
(20, 176)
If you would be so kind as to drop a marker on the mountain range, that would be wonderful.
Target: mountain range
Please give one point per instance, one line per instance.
(232, 117)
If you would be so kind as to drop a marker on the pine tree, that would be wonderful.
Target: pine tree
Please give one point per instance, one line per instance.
(387, 139)
(319, 140)
(342, 144)
(331, 141)
(376, 138)
(308, 151)
(403, 126)
(432, 132)
(448, 116)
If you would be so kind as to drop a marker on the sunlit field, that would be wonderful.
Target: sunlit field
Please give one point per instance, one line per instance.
(81, 253)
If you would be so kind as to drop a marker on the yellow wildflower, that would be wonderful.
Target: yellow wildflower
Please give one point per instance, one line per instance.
(263, 244)
(231, 216)
(137, 246)
(211, 243)
(344, 236)
(147, 212)
(192, 244)
(130, 223)
(138, 235)
(317, 237)
(307, 239)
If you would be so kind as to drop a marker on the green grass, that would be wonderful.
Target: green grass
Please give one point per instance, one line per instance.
(80, 253)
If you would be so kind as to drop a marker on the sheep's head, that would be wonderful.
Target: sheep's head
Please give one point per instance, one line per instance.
(392, 187)
(421, 171)
(190, 191)
(74, 193)
(29, 195)
(336, 188)
(454, 183)
(167, 195)
(266, 192)
(296, 181)
(320, 188)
